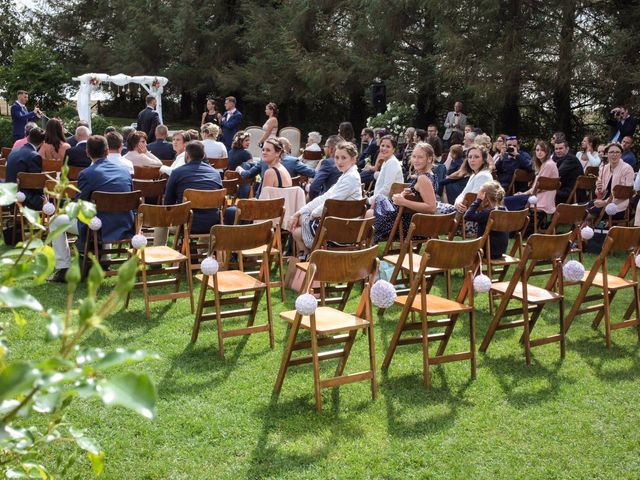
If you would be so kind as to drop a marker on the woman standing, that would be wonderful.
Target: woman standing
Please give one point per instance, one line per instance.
(276, 175)
(54, 146)
(210, 114)
(270, 127)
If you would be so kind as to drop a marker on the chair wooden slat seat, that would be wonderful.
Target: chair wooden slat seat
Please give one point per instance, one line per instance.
(234, 281)
(613, 282)
(435, 305)
(328, 320)
(534, 294)
(161, 254)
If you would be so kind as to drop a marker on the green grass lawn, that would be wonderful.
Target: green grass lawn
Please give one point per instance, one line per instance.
(554, 419)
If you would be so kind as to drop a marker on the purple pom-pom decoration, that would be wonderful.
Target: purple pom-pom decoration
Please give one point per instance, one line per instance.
(306, 304)
(209, 266)
(383, 294)
(611, 209)
(533, 200)
(638, 261)
(138, 241)
(586, 233)
(20, 197)
(49, 209)
(482, 283)
(95, 224)
(573, 271)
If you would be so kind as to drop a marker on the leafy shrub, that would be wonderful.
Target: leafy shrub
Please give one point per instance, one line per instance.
(396, 119)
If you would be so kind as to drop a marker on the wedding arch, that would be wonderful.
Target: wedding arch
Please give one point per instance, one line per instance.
(90, 82)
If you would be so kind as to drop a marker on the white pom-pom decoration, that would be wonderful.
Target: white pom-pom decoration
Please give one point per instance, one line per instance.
(306, 304)
(383, 295)
(209, 266)
(138, 241)
(638, 261)
(533, 200)
(20, 197)
(95, 224)
(573, 271)
(49, 209)
(586, 233)
(482, 283)
(611, 209)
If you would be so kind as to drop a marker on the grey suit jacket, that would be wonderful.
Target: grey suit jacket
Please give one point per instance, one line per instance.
(449, 124)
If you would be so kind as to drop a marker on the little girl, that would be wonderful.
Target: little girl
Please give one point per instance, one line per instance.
(490, 197)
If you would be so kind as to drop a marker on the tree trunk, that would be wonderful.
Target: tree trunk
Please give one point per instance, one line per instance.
(510, 111)
(562, 91)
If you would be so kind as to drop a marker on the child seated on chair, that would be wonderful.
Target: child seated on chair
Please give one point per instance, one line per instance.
(490, 197)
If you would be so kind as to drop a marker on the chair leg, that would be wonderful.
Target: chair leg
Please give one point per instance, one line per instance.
(316, 368)
(281, 266)
(562, 339)
(607, 318)
(270, 317)
(286, 356)
(425, 350)
(472, 342)
(493, 326)
(178, 281)
(198, 318)
(145, 292)
(219, 323)
(372, 362)
(396, 336)
(190, 284)
(347, 350)
(527, 332)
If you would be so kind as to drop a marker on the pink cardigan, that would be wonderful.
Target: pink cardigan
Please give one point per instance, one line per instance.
(623, 174)
(547, 199)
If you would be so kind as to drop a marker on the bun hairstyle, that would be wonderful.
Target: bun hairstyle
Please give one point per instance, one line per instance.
(273, 107)
(277, 145)
(493, 194)
(348, 147)
(211, 130)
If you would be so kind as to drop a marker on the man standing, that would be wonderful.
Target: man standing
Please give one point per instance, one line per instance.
(104, 176)
(370, 150)
(230, 121)
(622, 122)
(327, 174)
(77, 156)
(20, 115)
(148, 119)
(161, 148)
(455, 122)
(627, 155)
(27, 159)
(569, 169)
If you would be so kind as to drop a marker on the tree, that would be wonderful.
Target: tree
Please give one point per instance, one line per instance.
(10, 30)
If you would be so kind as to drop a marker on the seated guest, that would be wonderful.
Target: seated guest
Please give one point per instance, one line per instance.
(389, 167)
(109, 129)
(24, 140)
(27, 159)
(569, 169)
(456, 177)
(198, 174)
(138, 153)
(54, 146)
(212, 147)
(126, 131)
(386, 210)
(103, 176)
(489, 198)
(511, 161)
(545, 167)
(239, 156)
(435, 141)
(114, 144)
(293, 164)
(304, 222)
(178, 142)
(484, 141)
(421, 135)
(627, 154)
(77, 155)
(477, 162)
(588, 156)
(404, 153)
(73, 140)
(327, 173)
(499, 148)
(160, 147)
(313, 145)
(276, 175)
(615, 172)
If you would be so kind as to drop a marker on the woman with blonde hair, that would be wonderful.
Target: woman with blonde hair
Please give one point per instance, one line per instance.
(490, 197)
(212, 147)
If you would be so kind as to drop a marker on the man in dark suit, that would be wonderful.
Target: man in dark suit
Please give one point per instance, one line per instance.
(624, 125)
(105, 176)
(72, 140)
(327, 174)
(230, 121)
(27, 159)
(569, 169)
(77, 156)
(370, 150)
(20, 115)
(148, 119)
(161, 148)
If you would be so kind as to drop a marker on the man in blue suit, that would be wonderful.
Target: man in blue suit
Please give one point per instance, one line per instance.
(161, 148)
(20, 115)
(370, 151)
(293, 164)
(230, 121)
(77, 156)
(327, 174)
(104, 176)
(27, 159)
(148, 119)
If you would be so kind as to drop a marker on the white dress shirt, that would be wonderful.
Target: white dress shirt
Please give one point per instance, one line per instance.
(117, 158)
(178, 162)
(390, 173)
(348, 187)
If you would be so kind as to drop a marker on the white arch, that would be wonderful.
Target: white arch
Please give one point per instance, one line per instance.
(152, 84)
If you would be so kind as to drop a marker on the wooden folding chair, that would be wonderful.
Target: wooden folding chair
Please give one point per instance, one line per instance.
(620, 192)
(341, 209)
(27, 181)
(146, 173)
(219, 163)
(540, 247)
(151, 190)
(256, 210)
(593, 171)
(468, 199)
(520, 176)
(619, 239)
(441, 255)
(55, 196)
(51, 165)
(167, 162)
(203, 199)
(230, 287)
(153, 216)
(314, 156)
(110, 202)
(326, 324)
(74, 172)
(587, 183)
(543, 184)
(396, 231)
(232, 181)
(3, 172)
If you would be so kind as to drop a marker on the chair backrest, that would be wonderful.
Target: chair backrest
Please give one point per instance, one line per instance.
(567, 214)
(508, 221)
(70, 192)
(546, 184)
(293, 135)
(116, 201)
(252, 210)
(592, 171)
(167, 162)
(256, 134)
(146, 173)
(397, 187)
(343, 266)
(431, 226)
(5, 152)
(544, 247)
(3, 172)
(295, 181)
(230, 185)
(51, 165)
(3, 161)
(230, 238)
(32, 180)
(622, 192)
(219, 163)
(205, 198)
(150, 188)
(349, 233)
(164, 215)
(311, 155)
(469, 198)
(621, 239)
(520, 175)
(450, 254)
(344, 208)
(74, 172)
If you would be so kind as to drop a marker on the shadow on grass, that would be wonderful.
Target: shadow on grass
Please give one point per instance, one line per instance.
(619, 363)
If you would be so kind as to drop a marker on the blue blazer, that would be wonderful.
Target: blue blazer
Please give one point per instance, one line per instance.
(107, 176)
(199, 175)
(326, 176)
(72, 141)
(20, 116)
(77, 156)
(295, 167)
(371, 151)
(26, 159)
(162, 149)
(148, 120)
(230, 125)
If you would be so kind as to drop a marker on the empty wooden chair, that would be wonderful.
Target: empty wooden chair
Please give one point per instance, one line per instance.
(231, 287)
(146, 173)
(520, 176)
(619, 239)
(585, 183)
(442, 255)
(540, 247)
(151, 190)
(204, 199)
(158, 256)
(327, 326)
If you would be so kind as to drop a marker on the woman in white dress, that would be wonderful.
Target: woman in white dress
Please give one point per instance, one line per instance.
(270, 127)
(212, 147)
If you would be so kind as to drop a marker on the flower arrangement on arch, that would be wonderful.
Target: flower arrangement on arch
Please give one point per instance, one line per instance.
(94, 81)
(155, 83)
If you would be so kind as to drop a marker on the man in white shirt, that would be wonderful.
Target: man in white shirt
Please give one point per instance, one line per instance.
(114, 142)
